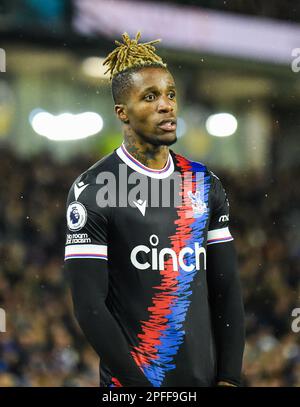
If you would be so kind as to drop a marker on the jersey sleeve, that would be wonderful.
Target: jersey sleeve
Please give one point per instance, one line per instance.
(218, 231)
(87, 224)
(87, 270)
(227, 311)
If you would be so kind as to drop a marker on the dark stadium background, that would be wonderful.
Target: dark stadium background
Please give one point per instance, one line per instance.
(259, 165)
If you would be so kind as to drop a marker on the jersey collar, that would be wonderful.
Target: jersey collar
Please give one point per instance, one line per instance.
(141, 168)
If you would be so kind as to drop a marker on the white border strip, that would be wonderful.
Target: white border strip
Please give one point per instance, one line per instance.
(86, 251)
(219, 236)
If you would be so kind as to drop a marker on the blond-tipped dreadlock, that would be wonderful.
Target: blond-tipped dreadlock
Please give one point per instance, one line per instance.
(130, 54)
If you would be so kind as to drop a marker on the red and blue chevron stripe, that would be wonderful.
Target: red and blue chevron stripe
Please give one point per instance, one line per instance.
(162, 334)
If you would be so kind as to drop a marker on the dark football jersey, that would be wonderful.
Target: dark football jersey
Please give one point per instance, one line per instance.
(150, 230)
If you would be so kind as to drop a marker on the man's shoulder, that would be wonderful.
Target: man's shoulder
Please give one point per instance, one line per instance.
(87, 181)
(186, 164)
(89, 176)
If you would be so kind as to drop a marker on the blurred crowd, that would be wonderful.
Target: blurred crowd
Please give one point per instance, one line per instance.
(43, 345)
(265, 222)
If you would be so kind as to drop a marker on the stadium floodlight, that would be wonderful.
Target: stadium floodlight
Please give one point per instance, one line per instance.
(65, 126)
(93, 66)
(221, 124)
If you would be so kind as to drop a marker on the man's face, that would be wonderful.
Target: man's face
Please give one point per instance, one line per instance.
(151, 106)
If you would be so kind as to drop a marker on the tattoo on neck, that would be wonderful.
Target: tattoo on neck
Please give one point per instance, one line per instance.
(136, 151)
(143, 154)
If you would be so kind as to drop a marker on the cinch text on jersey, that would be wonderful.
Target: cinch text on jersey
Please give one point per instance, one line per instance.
(159, 258)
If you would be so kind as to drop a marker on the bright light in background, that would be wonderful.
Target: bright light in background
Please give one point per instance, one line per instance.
(93, 66)
(221, 124)
(65, 126)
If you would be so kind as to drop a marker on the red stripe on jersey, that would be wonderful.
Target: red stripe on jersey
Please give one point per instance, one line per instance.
(153, 328)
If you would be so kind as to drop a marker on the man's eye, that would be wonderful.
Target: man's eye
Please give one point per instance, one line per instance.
(150, 97)
(172, 95)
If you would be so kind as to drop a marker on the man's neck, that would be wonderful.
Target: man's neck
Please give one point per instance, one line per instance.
(151, 156)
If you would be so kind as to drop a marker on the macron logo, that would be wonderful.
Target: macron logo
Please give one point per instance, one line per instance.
(224, 218)
(141, 205)
(79, 188)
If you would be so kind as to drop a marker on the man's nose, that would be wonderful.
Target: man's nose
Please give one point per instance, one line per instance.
(165, 105)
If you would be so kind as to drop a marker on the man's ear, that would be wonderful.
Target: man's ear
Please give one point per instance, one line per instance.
(120, 111)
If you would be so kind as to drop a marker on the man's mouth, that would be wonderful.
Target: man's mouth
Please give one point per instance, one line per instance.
(168, 125)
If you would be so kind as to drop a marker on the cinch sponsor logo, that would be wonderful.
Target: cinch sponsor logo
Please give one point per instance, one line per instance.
(78, 238)
(158, 258)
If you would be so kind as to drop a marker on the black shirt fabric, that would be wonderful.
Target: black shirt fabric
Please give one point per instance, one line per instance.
(153, 292)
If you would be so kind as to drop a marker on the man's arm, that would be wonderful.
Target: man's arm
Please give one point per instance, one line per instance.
(226, 311)
(89, 286)
(86, 264)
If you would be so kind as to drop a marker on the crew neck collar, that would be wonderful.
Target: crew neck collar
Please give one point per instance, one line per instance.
(141, 168)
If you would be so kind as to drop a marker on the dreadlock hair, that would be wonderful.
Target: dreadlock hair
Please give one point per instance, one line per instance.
(128, 58)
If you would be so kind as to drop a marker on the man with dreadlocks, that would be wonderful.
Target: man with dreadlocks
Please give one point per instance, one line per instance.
(153, 276)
